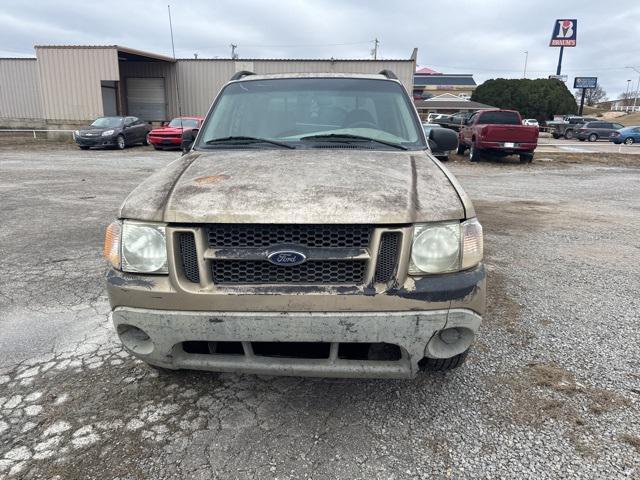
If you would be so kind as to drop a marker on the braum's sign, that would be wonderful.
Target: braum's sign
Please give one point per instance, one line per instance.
(585, 82)
(564, 33)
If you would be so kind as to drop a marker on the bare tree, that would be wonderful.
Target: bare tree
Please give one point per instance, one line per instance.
(592, 95)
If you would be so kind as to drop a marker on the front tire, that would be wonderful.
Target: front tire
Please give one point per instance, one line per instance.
(475, 153)
(442, 364)
(146, 142)
(628, 141)
(568, 134)
(120, 143)
(593, 137)
(555, 135)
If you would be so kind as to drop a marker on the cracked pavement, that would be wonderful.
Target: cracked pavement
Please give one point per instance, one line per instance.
(552, 388)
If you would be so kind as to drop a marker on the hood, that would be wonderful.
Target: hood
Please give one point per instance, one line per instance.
(169, 130)
(297, 186)
(96, 130)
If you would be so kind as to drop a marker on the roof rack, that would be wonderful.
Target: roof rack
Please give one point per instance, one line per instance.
(389, 74)
(240, 74)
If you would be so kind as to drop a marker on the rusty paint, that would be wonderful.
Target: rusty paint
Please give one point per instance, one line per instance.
(208, 179)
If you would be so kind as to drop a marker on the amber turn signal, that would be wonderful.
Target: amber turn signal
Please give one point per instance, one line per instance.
(111, 250)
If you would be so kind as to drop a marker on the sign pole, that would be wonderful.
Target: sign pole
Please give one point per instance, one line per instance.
(584, 90)
(560, 61)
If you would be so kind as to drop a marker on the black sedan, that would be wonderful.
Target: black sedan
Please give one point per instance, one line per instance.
(118, 132)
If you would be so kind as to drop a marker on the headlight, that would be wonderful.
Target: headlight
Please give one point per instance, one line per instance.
(136, 247)
(446, 247)
(76, 133)
(107, 133)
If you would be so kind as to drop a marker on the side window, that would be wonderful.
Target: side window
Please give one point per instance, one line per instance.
(617, 126)
(128, 121)
(637, 129)
(473, 118)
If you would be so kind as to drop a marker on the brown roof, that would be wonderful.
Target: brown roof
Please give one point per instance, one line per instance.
(451, 104)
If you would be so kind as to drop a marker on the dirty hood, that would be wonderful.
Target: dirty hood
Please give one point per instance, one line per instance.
(297, 186)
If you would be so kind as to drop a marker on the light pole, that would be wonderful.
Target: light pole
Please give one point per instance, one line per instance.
(635, 96)
(526, 57)
(626, 95)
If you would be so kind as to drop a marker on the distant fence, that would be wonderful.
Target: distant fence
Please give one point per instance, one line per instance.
(625, 108)
(33, 131)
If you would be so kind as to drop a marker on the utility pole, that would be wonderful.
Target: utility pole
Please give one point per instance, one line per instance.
(626, 95)
(635, 97)
(173, 51)
(234, 55)
(526, 57)
(374, 52)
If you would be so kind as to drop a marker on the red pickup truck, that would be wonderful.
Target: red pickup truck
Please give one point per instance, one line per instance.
(499, 133)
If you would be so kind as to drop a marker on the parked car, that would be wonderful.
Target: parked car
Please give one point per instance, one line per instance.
(497, 132)
(626, 135)
(455, 121)
(301, 241)
(170, 135)
(442, 155)
(118, 132)
(532, 122)
(599, 130)
(568, 126)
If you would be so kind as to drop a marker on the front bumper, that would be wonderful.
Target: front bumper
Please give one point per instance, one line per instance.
(98, 141)
(165, 141)
(416, 333)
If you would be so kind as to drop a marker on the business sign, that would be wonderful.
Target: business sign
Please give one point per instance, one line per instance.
(564, 33)
(585, 82)
(562, 78)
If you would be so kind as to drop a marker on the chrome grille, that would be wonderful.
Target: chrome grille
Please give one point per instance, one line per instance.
(266, 235)
(332, 272)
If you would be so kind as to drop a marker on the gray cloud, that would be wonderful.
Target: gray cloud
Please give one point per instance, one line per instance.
(487, 38)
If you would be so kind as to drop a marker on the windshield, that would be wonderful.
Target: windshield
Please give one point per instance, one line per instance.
(184, 122)
(107, 122)
(499, 118)
(287, 110)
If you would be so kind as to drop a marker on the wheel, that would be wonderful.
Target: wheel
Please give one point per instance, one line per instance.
(628, 141)
(83, 147)
(593, 137)
(442, 364)
(474, 153)
(461, 149)
(526, 157)
(555, 135)
(120, 143)
(568, 134)
(146, 142)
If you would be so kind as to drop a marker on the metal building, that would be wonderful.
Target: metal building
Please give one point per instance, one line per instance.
(69, 85)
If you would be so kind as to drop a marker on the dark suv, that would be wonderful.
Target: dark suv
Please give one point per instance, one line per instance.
(594, 131)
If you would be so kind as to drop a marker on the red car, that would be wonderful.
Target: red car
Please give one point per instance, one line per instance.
(499, 133)
(170, 135)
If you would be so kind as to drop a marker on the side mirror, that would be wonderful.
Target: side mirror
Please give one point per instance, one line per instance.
(443, 139)
(188, 137)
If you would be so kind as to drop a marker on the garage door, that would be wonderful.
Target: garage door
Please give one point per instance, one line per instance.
(146, 98)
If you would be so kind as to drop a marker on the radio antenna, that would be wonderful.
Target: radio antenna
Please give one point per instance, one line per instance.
(173, 49)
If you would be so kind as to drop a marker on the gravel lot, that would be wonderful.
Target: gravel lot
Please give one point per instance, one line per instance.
(551, 391)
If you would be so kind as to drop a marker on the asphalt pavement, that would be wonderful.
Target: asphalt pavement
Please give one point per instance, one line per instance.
(551, 389)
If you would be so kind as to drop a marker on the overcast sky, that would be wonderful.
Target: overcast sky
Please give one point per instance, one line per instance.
(484, 37)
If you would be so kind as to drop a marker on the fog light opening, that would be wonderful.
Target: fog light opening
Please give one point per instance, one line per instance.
(449, 342)
(135, 339)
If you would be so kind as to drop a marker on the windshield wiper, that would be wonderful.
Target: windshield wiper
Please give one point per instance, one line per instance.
(242, 139)
(345, 137)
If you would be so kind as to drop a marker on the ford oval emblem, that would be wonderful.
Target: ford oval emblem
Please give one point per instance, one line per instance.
(287, 257)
